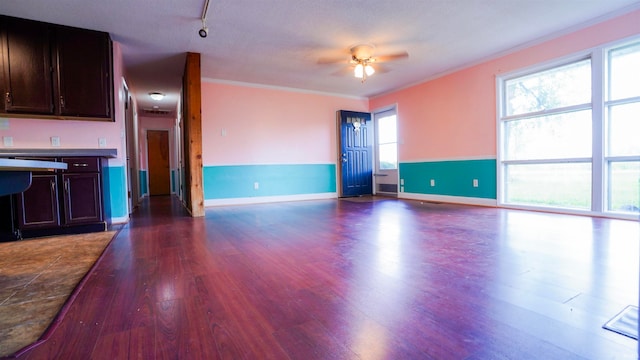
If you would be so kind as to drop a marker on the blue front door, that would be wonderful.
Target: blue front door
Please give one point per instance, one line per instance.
(356, 153)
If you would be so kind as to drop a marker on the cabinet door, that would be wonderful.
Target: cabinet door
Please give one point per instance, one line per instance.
(27, 66)
(38, 205)
(82, 198)
(83, 80)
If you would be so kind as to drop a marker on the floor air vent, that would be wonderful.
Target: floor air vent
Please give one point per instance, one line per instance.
(389, 188)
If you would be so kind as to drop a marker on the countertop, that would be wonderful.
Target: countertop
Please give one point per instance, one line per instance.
(54, 152)
(30, 165)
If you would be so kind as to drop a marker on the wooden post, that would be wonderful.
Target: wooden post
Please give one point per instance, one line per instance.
(192, 135)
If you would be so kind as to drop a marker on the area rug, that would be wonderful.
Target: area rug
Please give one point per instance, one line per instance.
(37, 276)
(625, 323)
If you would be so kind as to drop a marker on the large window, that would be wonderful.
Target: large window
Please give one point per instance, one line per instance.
(622, 129)
(570, 141)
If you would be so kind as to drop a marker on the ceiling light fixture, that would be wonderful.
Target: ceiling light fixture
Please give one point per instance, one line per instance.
(156, 96)
(363, 69)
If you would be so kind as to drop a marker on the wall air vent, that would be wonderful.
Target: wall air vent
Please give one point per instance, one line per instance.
(156, 112)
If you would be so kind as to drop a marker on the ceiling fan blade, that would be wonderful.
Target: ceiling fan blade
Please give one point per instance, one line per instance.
(334, 60)
(347, 70)
(381, 69)
(392, 57)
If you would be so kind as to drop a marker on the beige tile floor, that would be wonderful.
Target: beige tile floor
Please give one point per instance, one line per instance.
(36, 278)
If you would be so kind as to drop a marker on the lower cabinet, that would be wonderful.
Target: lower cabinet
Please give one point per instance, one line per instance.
(69, 201)
(82, 198)
(38, 206)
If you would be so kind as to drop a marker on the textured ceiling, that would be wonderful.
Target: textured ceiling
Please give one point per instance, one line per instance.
(279, 42)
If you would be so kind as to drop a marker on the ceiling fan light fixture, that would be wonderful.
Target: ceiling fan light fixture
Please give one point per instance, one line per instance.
(359, 71)
(156, 96)
(369, 70)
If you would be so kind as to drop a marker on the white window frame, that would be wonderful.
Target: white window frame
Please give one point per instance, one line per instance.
(599, 109)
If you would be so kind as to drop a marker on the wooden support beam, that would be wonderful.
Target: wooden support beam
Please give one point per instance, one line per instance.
(192, 135)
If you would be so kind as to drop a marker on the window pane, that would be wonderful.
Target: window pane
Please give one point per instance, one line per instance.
(387, 130)
(624, 129)
(388, 156)
(624, 74)
(559, 136)
(624, 186)
(559, 87)
(558, 185)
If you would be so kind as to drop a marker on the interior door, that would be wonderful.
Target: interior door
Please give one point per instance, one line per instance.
(158, 156)
(355, 153)
(132, 154)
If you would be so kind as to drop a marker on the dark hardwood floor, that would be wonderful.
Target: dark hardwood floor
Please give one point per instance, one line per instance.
(344, 279)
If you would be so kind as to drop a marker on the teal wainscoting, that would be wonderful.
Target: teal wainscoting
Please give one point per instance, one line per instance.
(452, 178)
(238, 181)
(142, 175)
(115, 195)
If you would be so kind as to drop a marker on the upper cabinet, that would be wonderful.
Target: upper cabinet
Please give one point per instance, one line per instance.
(55, 71)
(84, 80)
(26, 58)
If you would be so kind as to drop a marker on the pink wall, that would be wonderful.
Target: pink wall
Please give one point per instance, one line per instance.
(454, 116)
(269, 126)
(74, 134)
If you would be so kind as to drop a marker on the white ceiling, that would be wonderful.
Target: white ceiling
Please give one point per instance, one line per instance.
(279, 42)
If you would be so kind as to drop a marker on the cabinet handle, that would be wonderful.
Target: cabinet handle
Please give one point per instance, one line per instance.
(53, 186)
(80, 165)
(66, 186)
(7, 97)
(61, 101)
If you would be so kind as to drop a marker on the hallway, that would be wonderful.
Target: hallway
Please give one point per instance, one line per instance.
(348, 279)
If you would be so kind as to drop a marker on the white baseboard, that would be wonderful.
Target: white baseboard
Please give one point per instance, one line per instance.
(120, 220)
(449, 199)
(268, 199)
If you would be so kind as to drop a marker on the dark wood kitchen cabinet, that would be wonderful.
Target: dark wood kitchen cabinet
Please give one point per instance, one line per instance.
(69, 201)
(55, 71)
(83, 82)
(38, 206)
(82, 191)
(26, 66)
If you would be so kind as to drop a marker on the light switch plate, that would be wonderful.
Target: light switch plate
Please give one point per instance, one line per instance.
(102, 142)
(55, 141)
(7, 141)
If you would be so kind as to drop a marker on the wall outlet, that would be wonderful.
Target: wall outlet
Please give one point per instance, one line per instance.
(401, 188)
(223, 132)
(475, 182)
(8, 141)
(55, 141)
(401, 181)
(433, 182)
(4, 124)
(256, 185)
(102, 142)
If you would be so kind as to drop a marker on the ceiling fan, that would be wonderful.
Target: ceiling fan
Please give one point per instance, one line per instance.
(362, 60)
